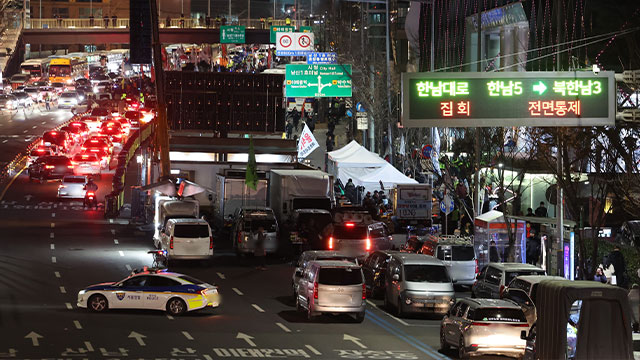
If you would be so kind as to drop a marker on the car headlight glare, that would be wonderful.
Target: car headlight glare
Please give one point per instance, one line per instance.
(82, 292)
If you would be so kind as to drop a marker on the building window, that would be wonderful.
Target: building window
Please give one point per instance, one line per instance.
(85, 12)
(60, 12)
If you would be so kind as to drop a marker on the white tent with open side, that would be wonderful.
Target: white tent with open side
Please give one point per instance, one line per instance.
(365, 168)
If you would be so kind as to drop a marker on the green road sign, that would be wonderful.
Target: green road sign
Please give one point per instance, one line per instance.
(307, 29)
(477, 99)
(283, 28)
(231, 34)
(318, 81)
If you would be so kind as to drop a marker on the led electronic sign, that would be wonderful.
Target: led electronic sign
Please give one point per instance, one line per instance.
(508, 99)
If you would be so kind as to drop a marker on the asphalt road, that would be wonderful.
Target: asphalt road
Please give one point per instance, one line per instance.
(51, 249)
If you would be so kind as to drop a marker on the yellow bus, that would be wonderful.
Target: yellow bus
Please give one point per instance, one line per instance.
(68, 69)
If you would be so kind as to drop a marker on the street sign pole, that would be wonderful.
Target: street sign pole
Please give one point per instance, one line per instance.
(162, 134)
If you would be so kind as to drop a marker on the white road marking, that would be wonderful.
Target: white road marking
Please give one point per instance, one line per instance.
(113, 231)
(25, 131)
(257, 308)
(355, 340)
(187, 335)
(221, 276)
(57, 274)
(55, 206)
(44, 123)
(121, 253)
(88, 346)
(128, 267)
(34, 126)
(207, 357)
(138, 337)
(69, 306)
(237, 291)
(53, 214)
(389, 315)
(63, 290)
(51, 235)
(53, 246)
(247, 338)
(115, 241)
(313, 350)
(34, 336)
(170, 317)
(53, 225)
(5, 141)
(110, 221)
(281, 326)
(53, 259)
(77, 324)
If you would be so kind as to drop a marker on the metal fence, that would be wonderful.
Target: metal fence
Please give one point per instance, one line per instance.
(187, 23)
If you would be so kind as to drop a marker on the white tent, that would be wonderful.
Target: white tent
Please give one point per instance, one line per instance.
(365, 168)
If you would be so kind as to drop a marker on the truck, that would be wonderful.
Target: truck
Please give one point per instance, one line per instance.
(232, 193)
(170, 207)
(412, 205)
(291, 190)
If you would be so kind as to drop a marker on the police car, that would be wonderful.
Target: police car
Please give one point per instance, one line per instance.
(155, 289)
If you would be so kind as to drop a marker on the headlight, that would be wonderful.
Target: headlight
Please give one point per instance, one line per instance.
(95, 89)
(82, 292)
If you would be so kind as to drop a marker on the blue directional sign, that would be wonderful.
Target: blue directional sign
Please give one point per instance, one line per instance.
(447, 205)
(322, 58)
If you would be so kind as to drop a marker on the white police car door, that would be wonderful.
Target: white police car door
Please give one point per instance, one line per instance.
(158, 290)
(129, 294)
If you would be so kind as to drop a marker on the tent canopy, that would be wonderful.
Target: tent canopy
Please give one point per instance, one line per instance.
(365, 168)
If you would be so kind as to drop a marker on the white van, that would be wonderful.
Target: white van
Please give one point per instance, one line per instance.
(459, 256)
(187, 239)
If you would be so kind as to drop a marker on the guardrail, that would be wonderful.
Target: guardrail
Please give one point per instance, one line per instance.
(111, 23)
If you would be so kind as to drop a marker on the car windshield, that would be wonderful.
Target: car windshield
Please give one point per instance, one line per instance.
(56, 138)
(340, 276)
(510, 275)
(191, 231)
(40, 152)
(69, 95)
(499, 314)
(73, 180)
(456, 253)
(99, 112)
(350, 232)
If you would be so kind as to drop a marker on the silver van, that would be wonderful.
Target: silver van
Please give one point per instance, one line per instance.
(313, 255)
(187, 239)
(247, 220)
(493, 278)
(459, 257)
(417, 283)
(329, 286)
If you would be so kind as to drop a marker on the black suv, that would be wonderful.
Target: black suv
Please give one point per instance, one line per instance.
(50, 167)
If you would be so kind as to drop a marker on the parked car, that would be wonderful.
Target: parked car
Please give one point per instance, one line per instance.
(459, 256)
(8, 102)
(494, 277)
(483, 327)
(313, 255)
(374, 269)
(523, 290)
(187, 239)
(247, 220)
(24, 100)
(417, 283)
(359, 237)
(332, 287)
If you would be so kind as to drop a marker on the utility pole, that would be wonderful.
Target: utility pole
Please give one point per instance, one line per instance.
(388, 59)
(162, 133)
(476, 174)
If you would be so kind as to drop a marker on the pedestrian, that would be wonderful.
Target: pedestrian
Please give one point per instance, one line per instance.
(350, 191)
(530, 212)
(218, 22)
(533, 247)
(224, 20)
(295, 115)
(600, 276)
(200, 21)
(289, 129)
(494, 256)
(167, 22)
(330, 143)
(259, 251)
(311, 124)
(91, 20)
(182, 20)
(207, 21)
(616, 259)
(46, 101)
(106, 21)
(541, 211)
(114, 20)
(287, 21)
(59, 19)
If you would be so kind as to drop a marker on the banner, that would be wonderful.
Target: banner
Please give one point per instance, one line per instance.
(307, 143)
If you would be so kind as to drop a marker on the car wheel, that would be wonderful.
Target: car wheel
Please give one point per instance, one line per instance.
(400, 308)
(462, 352)
(176, 306)
(443, 343)
(98, 303)
(360, 317)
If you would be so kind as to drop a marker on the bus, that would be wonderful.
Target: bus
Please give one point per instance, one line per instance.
(68, 68)
(35, 67)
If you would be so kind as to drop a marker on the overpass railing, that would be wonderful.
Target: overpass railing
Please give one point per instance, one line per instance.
(117, 23)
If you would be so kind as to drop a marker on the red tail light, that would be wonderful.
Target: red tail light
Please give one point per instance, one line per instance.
(477, 270)
(331, 243)
(171, 243)
(364, 292)
(210, 242)
(480, 324)
(501, 290)
(520, 325)
(239, 238)
(349, 224)
(315, 290)
(368, 246)
(91, 194)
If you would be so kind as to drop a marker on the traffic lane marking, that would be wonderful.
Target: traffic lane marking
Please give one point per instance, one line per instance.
(57, 274)
(386, 313)
(77, 324)
(53, 246)
(187, 335)
(69, 306)
(255, 306)
(284, 328)
(237, 291)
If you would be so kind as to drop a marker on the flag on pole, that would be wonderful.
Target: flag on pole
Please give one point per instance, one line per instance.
(402, 146)
(307, 143)
(251, 175)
